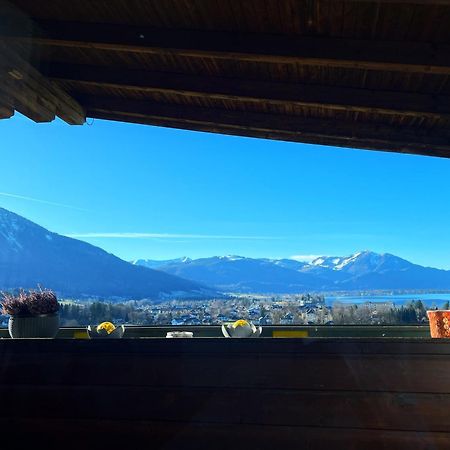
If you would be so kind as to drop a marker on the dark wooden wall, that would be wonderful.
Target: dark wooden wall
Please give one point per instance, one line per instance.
(226, 394)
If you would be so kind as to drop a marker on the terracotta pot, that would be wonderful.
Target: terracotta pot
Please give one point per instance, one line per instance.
(439, 323)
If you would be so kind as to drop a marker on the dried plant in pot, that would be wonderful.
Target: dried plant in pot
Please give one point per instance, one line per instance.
(439, 323)
(33, 314)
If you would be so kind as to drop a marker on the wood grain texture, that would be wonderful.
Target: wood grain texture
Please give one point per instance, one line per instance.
(309, 393)
(321, 96)
(272, 407)
(380, 144)
(32, 94)
(73, 434)
(348, 73)
(337, 53)
(314, 393)
(296, 128)
(391, 366)
(6, 109)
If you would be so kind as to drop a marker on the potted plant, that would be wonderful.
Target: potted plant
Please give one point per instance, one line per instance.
(439, 323)
(33, 314)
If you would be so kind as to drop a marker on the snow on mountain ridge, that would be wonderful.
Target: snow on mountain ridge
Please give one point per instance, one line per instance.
(9, 229)
(318, 261)
(341, 262)
(362, 270)
(232, 257)
(155, 263)
(327, 261)
(347, 261)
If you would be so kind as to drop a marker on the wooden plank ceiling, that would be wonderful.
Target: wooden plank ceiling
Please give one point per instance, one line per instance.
(355, 73)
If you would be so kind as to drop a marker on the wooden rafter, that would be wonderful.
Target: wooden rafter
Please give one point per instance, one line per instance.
(293, 128)
(6, 108)
(331, 97)
(30, 93)
(103, 54)
(418, 57)
(408, 2)
(26, 100)
(6, 112)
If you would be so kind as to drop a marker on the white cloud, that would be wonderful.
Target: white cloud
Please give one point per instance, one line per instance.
(38, 200)
(164, 236)
(305, 258)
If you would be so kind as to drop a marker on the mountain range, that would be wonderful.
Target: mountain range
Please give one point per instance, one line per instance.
(31, 255)
(365, 270)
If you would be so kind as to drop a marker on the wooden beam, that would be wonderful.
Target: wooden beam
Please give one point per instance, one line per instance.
(408, 2)
(331, 97)
(258, 47)
(32, 94)
(6, 111)
(269, 126)
(335, 141)
(6, 106)
(27, 100)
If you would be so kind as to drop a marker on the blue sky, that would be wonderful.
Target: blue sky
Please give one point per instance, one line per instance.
(148, 192)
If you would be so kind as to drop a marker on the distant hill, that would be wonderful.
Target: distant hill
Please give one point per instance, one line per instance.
(239, 274)
(31, 255)
(364, 270)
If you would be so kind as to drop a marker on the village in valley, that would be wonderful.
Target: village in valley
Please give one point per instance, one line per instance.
(289, 309)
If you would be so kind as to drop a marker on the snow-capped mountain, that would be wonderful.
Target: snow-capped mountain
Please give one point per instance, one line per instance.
(151, 264)
(361, 262)
(31, 255)
(363, 270)
(239, 274)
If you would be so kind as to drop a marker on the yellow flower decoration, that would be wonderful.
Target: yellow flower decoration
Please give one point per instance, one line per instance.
(107, 326)
(240, 323)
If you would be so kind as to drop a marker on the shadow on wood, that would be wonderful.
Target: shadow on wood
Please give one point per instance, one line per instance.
(217, 393)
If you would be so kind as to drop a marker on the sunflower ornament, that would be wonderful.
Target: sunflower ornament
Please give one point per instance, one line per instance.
(241, 329)
(106, 330)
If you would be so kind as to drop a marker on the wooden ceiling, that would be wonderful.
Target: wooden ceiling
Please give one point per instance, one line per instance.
(360, 73)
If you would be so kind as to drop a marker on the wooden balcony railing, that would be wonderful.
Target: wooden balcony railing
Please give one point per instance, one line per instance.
(311, 393)
(277, 331)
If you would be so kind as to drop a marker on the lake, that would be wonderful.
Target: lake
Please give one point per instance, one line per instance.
(400, 299)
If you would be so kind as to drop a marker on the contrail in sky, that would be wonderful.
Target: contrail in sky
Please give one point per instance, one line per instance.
(38, 200)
